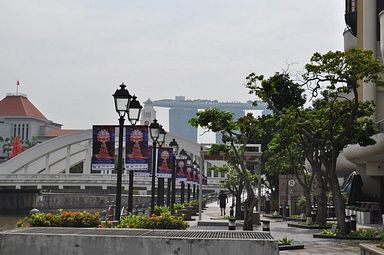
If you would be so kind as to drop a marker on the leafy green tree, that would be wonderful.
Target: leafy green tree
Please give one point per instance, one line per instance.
(235, 134)
(234, 183)
(338, 118)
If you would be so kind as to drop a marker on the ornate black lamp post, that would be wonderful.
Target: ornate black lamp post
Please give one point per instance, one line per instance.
(183, 155)
(189, 165)
(122, 102)
(160, 180)
(154, 130)
(195, 170)
(175, 148)
(133, 117)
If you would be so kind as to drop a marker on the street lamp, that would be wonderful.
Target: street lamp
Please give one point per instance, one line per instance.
(154, 130)
(195, 169)
(122, 100)
(189, 164)
(175, 148)
(134, 112)
(183, 155)
(160, 180)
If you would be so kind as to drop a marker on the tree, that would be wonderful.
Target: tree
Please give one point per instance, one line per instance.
(235, 135)
(338, 117)
(234, 183)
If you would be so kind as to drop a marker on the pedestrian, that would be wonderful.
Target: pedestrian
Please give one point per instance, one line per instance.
(267, 203)
(222, 200)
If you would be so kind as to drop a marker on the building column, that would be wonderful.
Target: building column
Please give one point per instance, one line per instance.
(68, 160)
(369, 33)
(88, 155)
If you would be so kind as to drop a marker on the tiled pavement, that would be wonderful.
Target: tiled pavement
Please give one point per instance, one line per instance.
(279, 229)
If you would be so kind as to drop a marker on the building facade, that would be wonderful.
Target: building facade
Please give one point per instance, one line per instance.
(365, 23)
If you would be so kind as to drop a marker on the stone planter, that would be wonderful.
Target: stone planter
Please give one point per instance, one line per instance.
(370, 249)
(186, 213)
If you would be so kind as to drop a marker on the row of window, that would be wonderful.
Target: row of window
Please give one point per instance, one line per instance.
(21, 130)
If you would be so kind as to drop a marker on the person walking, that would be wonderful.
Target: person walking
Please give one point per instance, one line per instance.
(267, 203)
(222, 200)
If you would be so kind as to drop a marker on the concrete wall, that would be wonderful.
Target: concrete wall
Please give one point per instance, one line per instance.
(84, 201)
(13, 243)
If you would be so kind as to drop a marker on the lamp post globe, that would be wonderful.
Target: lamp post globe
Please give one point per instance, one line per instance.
(134, 110)
(122, 100)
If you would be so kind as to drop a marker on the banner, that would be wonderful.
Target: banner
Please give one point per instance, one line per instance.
(149, 159)
(103, 147)
(165, 162)
(136, 148)
(181, 170)
(190, 176)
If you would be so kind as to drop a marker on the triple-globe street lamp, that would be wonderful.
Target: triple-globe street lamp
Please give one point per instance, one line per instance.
(125, 104)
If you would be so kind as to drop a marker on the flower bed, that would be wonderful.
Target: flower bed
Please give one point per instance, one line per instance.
(63, 219)
(162, 221)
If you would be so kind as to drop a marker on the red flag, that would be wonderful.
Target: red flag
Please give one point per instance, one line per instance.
(17, 82)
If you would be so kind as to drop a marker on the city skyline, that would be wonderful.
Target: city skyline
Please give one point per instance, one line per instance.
(70, 56)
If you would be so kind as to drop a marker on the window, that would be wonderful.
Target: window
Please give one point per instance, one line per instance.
(22, 131)
(26, 131)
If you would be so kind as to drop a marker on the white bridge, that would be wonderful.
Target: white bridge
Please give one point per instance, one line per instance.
(47, 166)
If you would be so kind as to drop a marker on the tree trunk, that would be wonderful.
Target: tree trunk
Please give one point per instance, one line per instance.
(308, 203)
(238, 206)
(249, 204)
(321, 186)
(337, 197)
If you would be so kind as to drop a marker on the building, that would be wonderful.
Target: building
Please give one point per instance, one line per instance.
(365, 23)
(19, 117)
(181, 110)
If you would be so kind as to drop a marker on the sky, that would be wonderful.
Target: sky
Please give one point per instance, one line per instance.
(71, 55)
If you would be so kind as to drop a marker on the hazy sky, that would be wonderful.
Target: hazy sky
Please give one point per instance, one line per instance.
(71, 55)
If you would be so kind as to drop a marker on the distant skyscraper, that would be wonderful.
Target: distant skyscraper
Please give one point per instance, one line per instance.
(181, 110)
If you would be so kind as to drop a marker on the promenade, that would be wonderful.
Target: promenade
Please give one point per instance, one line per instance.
(280, 229)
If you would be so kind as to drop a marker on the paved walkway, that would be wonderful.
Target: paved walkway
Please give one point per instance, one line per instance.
(279, 230)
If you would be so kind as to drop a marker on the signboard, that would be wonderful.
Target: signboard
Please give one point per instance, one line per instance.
(103, 147)
(165, 162)
(291, 183)
(181, 170)
(136, 148)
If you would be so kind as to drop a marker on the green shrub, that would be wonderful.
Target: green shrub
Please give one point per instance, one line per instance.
(158, 210)
(285, 241)
(162, 221)
(64, 219)
(361, 232)
(178, 206)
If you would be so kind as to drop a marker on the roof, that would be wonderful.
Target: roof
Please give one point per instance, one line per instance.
(19, 105)
(61, 132)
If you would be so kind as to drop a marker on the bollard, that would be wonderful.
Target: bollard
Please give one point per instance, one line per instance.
(231, 211)
(266, 225)
(313, 215)
(231, 224)
(353, 222)
(287, 211)
(281, 210)
(347, 225)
